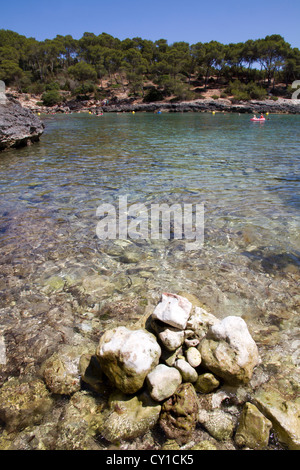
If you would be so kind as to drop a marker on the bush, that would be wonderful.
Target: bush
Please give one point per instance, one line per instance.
(52, 86)
(67, 86)
(25, 82)
(101, 94)
(215, 97)
(176, 87)
(243, 92)
(85, 88)
(36, 88)
(153, 95)
(256, 92)
(183, 92)
(51, 98)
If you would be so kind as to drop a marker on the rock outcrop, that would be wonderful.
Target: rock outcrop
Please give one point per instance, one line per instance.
(18, 126)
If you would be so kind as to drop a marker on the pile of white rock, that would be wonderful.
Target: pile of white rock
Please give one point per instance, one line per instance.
(184, 337)
(175, 369)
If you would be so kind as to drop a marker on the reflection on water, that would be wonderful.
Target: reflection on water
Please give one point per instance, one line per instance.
(246, 174)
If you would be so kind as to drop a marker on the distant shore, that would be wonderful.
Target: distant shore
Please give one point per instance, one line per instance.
(210, 105)
(280, 106)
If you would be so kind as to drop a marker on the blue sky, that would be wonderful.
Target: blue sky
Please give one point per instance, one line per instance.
(174, 20)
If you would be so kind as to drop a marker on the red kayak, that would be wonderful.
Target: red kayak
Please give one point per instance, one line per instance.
(258, 119)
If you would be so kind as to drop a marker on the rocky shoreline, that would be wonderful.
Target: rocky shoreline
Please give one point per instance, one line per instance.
(281, 106)
(209, 105)
(129, 105)
(179, 378)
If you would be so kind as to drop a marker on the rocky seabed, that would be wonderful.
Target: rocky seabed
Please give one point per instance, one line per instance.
(180, 378)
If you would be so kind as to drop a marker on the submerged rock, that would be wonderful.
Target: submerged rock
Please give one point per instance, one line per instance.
(81, 422)
(23, 403)
(54, 284)
(127, 356)
(254, 428)
(206, 383)
(204, 445)
(18, 126)
(283, 413)
(171, 444)
(91, 373)
(61, 371)
(129, 416)
(219, 424)
(179, 414)
(229, 351)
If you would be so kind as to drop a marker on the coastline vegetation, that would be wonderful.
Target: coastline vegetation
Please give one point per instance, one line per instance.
(145, 69)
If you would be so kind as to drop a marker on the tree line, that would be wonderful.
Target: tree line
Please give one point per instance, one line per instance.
(150, 69)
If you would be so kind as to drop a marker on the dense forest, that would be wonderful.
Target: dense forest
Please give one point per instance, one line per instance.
(96, 65)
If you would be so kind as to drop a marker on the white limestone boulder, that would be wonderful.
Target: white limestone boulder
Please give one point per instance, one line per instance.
(229, 351)
(163, 382)
(173, 310)
(127, 356)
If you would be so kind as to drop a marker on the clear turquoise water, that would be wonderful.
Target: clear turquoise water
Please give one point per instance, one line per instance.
(226, 160)
(247, 175)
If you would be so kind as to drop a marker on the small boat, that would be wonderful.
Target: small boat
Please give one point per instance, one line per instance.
(258, 119)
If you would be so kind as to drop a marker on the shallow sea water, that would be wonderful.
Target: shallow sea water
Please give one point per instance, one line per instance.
(58, 278)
